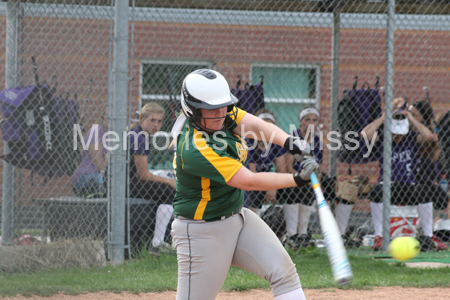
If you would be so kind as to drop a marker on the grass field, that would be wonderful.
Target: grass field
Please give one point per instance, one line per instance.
(150, 274)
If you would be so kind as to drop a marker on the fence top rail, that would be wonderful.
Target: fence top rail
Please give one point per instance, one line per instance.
(439, 7)
(238, 16)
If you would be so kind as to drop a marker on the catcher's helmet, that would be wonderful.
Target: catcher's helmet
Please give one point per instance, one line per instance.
(206, 89)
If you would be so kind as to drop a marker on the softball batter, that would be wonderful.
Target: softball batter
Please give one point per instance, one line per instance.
(212, 231)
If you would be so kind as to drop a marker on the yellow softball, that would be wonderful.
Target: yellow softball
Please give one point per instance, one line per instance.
(404, 248)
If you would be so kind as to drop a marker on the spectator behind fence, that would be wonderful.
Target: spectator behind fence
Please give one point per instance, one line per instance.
(262, 159)
(405, 144)
(299, 201)
(428, 171)
(144, 184)
(87, 179)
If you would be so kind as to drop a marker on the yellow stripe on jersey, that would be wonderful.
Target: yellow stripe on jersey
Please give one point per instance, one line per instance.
(206, 196)
(174, 163)
(226, 166)
(240, 114)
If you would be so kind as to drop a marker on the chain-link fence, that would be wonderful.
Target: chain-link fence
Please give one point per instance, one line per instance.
(56, 67)
(319, 69)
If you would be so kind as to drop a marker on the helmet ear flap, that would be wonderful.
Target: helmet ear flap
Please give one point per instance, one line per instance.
(197, 112)
(193, 114)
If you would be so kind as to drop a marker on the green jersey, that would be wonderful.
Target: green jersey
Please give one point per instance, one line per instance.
(204, 163)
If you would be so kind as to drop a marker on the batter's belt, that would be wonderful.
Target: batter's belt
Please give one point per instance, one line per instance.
(220, 218)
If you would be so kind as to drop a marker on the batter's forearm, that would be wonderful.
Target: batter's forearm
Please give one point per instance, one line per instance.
(266, 181)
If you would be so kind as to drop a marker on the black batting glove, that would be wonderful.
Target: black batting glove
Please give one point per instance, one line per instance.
(299, 181)
(297, 147)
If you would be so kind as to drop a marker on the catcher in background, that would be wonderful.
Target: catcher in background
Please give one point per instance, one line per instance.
(212, 230)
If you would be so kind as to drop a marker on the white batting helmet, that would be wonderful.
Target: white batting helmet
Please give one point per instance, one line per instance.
(206, 89)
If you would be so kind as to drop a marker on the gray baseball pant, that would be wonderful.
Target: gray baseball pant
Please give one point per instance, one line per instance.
(206, 250)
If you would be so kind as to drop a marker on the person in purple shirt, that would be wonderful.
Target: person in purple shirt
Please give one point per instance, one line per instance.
(87, 179)
(261, 158)
(144, 184)
(405, 145)
(428, 170)
(299, 201)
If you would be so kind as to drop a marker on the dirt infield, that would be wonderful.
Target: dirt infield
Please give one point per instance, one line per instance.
(393, 293)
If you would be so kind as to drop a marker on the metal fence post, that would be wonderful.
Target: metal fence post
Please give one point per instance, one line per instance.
(387, 146)
(334, 85)
(118, 156)
(9, 173)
